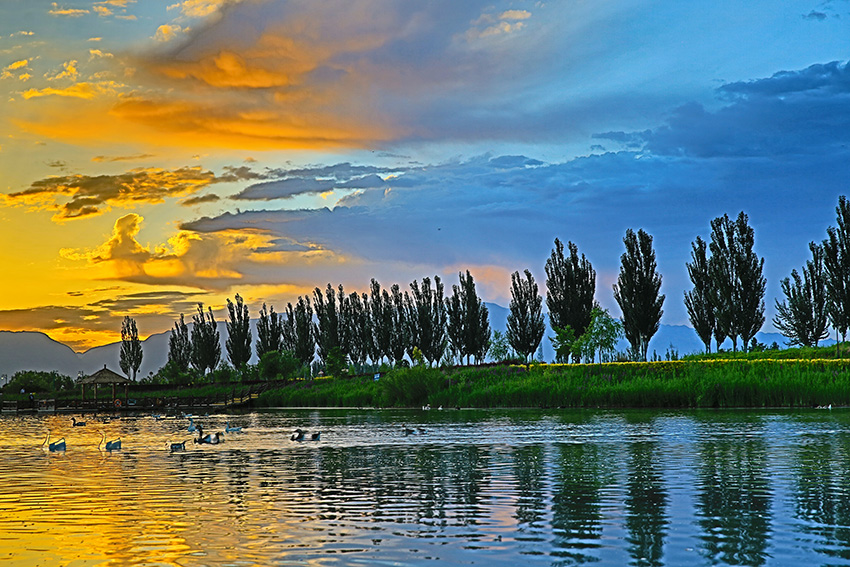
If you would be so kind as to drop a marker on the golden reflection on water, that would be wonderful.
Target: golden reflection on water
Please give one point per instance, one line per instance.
(477, 488)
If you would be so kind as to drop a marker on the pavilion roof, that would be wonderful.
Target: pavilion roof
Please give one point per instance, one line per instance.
(105, 376)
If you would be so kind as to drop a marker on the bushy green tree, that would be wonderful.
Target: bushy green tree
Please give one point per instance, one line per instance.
(525, 319)
(238, 343)
(637, 291)
(562, 343)
(130, 357)
(500, 350)
(601, 336)
(276, 365)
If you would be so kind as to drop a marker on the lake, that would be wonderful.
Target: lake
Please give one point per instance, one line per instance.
(472, 487)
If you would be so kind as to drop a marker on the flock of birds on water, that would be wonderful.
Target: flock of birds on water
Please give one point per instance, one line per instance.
(201, 439)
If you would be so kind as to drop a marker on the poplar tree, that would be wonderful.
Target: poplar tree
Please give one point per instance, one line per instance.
(238, 343)
(637, 292)
(326, 326)
(836, 259)
(269, 332)
(299, 330)
(802, 316)
(206, 348)
(570, 287)
(180, 346)
(525, 320)
(130, 358)
(468, 325)
(699, 301)
(426, 318)
(400, 337)
(360, 329)
(380, 312)
(737, 276)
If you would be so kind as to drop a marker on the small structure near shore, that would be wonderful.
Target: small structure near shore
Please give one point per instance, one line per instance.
(104, 377)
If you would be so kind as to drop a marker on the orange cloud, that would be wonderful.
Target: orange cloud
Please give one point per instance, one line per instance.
(55, 10)
(82, 90)
(77, 196)
(208, 261)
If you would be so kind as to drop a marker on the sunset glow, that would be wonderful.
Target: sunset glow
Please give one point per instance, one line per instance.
(159, 154)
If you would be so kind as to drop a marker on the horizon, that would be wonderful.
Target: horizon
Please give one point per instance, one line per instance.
(163, 153)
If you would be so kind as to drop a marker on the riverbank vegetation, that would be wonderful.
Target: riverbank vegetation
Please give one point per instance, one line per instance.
(708, 383)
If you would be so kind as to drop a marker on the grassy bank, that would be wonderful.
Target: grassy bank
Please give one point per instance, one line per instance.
(714, 383)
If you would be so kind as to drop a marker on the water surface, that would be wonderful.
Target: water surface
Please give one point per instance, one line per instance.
(468, 487)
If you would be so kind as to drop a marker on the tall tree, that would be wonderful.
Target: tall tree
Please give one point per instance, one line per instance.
(525, 319)
(699, 301)
(836, 260)
(468, 324)
(299, 328)
(426, 317)
(326, 327)
(380, 311)
(238, 343)
(180, 346)
(737, 276)
(206, 345)
(803, 319)
(401, 330)
(637, 291)
(751, 283)
(360, 325)
(269, 332)
(130, 358)
(570, 287)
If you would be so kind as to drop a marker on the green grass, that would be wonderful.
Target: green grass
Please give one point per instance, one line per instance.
(676, 384)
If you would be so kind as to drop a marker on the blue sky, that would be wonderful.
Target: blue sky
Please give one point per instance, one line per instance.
(156, 154)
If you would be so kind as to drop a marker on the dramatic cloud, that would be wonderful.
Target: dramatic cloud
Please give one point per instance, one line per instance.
(76, 196)
(213, 261)
(773, 145)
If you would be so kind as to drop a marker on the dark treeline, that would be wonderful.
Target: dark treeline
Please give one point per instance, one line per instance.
(424, 324)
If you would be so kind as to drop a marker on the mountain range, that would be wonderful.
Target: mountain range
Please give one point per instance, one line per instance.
(30, 350)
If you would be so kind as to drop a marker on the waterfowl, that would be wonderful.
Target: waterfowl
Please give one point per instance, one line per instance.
(297, 436)
(315, 436)
(57, 446)
(228, 429)
(406, 430)
(421, 429)
(76, 423)
(192, 426)
(110, 445)
(209, 438)
(177, 446)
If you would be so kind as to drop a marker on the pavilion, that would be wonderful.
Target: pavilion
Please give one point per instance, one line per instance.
(105, 376)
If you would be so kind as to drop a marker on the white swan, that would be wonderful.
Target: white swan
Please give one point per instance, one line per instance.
(57, 446)
(110, 445)
(192, 426)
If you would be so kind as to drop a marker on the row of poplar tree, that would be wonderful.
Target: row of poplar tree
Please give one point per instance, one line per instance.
(727, 301)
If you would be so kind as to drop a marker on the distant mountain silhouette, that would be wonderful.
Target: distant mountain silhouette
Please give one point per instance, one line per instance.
(28, 350)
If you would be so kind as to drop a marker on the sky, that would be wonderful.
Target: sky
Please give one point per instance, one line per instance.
(158, 154)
